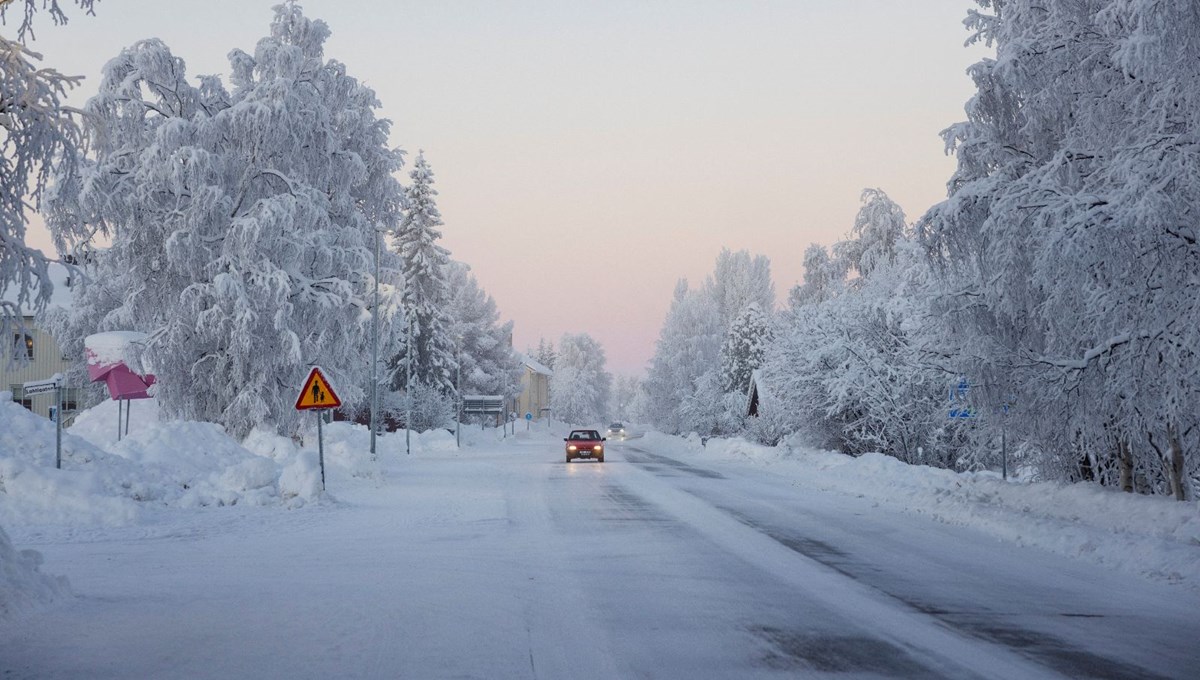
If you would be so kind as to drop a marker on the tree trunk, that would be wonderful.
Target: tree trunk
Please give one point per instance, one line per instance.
(1180, 485)
(1087, 467)
(1125, 461)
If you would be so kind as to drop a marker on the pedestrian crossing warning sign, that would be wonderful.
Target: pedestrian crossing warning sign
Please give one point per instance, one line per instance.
(317, 393)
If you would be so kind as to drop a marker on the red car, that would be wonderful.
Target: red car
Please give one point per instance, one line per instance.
(585, 444)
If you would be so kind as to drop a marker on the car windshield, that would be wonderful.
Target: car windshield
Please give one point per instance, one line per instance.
(615, 426)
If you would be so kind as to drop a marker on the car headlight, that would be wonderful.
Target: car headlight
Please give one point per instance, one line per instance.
(571, 447)
(597, 447)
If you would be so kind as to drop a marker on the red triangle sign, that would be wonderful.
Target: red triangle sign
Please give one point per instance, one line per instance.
(317, 393)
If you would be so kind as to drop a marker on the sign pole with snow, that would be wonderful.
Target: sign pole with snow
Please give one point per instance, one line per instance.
(54, 384)
(318, 395)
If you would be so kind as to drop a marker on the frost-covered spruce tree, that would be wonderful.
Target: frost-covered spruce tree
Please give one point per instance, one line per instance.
(580, 386)
(544, 354)
(38, 136)
(426, 295)
(745, 345)
(483, 347)
(1069, 237)
(241, 221)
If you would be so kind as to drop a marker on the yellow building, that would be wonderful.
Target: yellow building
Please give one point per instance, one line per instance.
(535, 389)
(31, 354)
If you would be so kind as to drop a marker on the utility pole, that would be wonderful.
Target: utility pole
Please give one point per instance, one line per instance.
(458, 392)
(375, 350)
(408, 352)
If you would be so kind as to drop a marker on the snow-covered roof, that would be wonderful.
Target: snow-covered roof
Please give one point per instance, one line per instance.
(59, 276)
(758, 389)
(534, 365)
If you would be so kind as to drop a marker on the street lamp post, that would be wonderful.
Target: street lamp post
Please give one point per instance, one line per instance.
(408, 351)
(458, 392)
(375, 351)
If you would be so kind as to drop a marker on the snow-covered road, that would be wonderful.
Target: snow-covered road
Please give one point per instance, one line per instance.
(508, 563)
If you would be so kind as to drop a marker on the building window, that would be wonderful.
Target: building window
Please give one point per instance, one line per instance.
(23, 343)
(70, 400)
(18, 392)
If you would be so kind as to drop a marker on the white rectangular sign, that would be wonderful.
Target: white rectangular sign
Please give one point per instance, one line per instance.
(39, 387)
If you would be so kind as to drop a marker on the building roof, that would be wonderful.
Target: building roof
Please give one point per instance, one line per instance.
(534, 365)
(757, 393)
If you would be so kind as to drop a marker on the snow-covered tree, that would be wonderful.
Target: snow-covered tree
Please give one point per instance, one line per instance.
(879, 225)
(426, 295)
(1068, 241)
(739, 279)
(744, 347)
(483, 345)
(709, 410)
(624, 396)
(30, 8)
(851, 368)
(38, 136)
(241, 221)
(544, 354)
(688, 346)
(580, 386)
(824, 277)
(431, 408)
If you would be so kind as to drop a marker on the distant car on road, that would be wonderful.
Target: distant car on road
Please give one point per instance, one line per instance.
(616, 431)
(585, 444)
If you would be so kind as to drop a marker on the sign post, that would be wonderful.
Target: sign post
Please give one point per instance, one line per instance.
(318, 395)
(54, 385)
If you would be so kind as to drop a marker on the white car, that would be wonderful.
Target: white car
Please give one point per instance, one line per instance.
(617, 431)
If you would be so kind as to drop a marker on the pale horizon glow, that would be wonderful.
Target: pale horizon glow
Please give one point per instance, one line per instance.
(641, 136)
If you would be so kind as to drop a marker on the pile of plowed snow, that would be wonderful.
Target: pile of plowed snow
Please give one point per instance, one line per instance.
(157, 464)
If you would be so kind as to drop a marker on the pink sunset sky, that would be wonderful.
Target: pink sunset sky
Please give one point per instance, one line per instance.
(638, 137)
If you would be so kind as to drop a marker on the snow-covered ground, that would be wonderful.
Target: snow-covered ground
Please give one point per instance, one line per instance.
(191, 555)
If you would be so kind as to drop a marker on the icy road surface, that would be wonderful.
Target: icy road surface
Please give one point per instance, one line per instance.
(512, 564)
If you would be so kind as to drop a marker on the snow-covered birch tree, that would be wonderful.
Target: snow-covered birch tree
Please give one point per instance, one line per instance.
(39, 134)
(1069, 242)
(483, 348)
(688, 346)
(241, 221)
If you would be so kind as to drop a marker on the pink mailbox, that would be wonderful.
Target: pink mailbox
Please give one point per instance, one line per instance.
(107, 357)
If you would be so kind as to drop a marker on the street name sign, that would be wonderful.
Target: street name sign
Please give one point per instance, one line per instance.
(40, 387)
